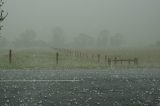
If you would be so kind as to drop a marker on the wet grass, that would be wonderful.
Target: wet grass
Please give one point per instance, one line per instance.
(46, 59)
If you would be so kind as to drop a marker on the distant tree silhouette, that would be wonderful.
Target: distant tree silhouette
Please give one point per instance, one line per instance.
(102, 40)
(26, 39)
(83, 41)
(117, 40)
(58, 37)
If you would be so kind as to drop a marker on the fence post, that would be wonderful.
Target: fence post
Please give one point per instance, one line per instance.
(86, 56)
(121, 61)
(115, 60)
(10, 56)
(129, 61)
(136, 61)
(98, 58)
(80, 55)
(57, 55)
(105, 59)
(109, 61)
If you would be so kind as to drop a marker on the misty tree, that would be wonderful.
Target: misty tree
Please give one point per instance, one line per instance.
(3, 41)
(26, 39)
(58, 37)
(102, 39)
(2, 16)
(117, 40)
(83, 41)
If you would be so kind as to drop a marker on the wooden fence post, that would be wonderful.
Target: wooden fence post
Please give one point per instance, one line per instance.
(128, 61)
(105, 59)
(115, 60)
(80, 54)
(10, 56)
(98, 58)
(86, 56)
(121, 61)
(109, 61)
(57, 56)
(136, 61)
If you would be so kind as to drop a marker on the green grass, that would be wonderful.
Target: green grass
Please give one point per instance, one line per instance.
(46, 59)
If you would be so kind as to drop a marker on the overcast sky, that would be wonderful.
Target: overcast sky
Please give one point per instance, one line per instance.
(138, 20)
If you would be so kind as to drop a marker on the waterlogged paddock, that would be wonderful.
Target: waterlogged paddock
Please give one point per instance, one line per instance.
(130, 87)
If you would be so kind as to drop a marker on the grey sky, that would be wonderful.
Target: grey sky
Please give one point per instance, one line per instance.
(138, 20)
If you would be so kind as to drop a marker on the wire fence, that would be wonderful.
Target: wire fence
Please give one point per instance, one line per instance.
(62, 58)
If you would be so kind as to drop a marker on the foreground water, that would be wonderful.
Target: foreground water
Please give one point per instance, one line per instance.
(112, 87)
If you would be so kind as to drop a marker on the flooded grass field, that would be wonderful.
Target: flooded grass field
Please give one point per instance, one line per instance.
(109, 87)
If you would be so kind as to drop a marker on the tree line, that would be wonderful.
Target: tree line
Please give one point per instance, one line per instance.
(58, 39)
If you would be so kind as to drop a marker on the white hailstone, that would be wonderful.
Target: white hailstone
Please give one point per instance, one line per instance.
(98, 103)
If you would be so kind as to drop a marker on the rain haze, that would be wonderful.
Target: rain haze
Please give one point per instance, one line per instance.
(79, 52)
(137, 20)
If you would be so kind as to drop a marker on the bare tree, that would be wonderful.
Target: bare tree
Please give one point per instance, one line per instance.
(2, 16)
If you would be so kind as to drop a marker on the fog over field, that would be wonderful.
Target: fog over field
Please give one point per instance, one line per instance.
(79, 52)
(131, 23)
